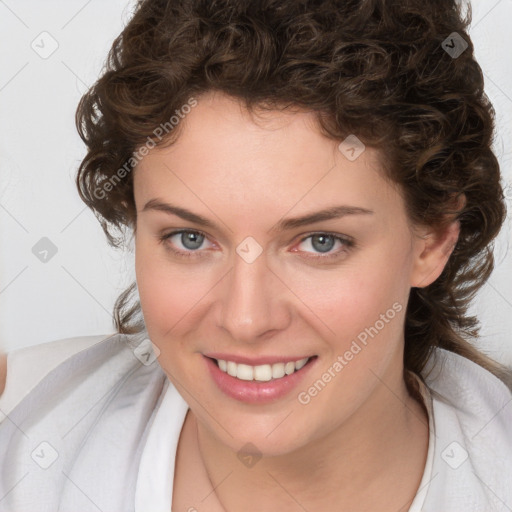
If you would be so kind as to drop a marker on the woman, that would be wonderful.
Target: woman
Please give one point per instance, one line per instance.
(313, 197)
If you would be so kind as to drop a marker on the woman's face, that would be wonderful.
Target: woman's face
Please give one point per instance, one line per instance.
(247, 284)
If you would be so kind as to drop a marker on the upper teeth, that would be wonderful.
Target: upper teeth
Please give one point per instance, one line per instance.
(263, 372)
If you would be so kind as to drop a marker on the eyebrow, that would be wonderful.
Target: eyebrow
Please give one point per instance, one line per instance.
(333, 212)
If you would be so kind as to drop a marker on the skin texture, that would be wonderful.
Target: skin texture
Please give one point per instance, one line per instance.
(365, 437)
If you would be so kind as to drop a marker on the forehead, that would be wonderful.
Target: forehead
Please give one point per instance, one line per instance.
(274, 161)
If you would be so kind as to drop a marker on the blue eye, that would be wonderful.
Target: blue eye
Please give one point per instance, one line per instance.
(190, 240)
(323, 243)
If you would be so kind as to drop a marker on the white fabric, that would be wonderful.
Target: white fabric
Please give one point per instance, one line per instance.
(114, 423)
(156, 471)
(30, 365)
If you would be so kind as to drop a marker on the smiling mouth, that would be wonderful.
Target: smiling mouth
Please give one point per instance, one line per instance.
(263, 372)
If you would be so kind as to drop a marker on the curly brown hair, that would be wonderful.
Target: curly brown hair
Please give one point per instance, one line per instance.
(374, 68)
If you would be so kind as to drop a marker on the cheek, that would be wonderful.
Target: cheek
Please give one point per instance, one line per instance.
(353, 296)
(364, 307)
(159, 288)
(171, 294)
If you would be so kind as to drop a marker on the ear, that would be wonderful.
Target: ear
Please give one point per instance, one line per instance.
(432, 249)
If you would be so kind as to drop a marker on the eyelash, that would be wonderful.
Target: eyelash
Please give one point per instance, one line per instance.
(348, 244)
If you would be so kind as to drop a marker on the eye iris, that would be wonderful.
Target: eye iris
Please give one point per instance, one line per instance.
(191, 240)
(326, 242)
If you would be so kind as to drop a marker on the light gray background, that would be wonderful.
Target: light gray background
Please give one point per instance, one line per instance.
(72, 294)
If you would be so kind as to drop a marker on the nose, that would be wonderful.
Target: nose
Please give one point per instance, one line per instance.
(254, 302)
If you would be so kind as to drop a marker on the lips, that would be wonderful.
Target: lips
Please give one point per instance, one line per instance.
(254, 391)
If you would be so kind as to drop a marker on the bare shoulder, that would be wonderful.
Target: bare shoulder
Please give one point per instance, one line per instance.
(3, 371)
